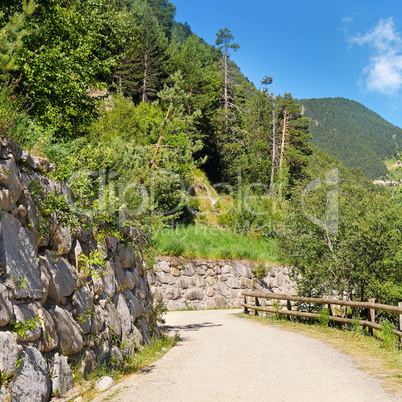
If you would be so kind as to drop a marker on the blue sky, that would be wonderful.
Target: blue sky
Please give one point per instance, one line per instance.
(313, 48)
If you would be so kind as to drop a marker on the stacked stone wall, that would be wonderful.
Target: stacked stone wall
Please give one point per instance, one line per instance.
(52, 310)
(193, 283)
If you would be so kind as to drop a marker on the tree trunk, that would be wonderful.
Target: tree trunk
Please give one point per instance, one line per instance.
(282, 154)
(271, 184)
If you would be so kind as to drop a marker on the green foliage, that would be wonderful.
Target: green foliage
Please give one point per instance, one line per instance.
(22, 327)
(11, 35)
(323, 319)
(346, 245)
(358, 137)
(259, 271)
(390, 340)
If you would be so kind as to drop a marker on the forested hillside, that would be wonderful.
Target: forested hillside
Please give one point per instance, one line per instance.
(357, 136)
(130, 105)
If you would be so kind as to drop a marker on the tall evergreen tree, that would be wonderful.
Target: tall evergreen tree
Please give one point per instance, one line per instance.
(224, 40)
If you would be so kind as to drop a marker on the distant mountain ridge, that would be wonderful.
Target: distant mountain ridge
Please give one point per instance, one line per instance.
(351, 132)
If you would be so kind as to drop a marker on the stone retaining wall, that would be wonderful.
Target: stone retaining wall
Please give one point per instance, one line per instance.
(77, 312)
(190, 283)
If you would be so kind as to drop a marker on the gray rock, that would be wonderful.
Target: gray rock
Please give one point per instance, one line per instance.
(62, 278)
(220, 302)
(27, 312)
(33, 219)
(62, 240)
(189, 269)
(9, 148)
(124, 314)
(136, 308)
(173, 293)
(233, 282)
(226, 269)
(98, 285)
(112, 243)
(164, 266)
(116, 356)
(146, 336)
(130, 279)
(194, 294)
(237, 268)
(247, 272)
(28, 161)
(109, 281)
(68, 331)
(18, 259)
(113, 320)
(32, 382)
(119, 274)
(45, 277)
(98, 322)
(104, 383)
(88, 363)
(50, 340)
(83, 305)
(164, 278)
(127, 257)
(6, 308)
(9, 353)
(62, 379)
(10, 184)
(183, 283)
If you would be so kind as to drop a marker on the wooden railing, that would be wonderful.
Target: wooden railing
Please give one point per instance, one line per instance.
(371, 306)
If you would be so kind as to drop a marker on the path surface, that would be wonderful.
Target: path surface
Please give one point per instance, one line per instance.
(225, 358)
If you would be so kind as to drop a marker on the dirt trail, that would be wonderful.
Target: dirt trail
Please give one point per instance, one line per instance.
(224, 358)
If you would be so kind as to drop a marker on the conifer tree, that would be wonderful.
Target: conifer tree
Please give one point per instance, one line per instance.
(223, 39)
(11, 35)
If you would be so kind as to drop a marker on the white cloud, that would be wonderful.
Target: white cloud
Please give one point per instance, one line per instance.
(384, 72)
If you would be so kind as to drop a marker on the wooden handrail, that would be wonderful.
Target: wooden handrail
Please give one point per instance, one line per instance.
(330, 301)
(278, 296)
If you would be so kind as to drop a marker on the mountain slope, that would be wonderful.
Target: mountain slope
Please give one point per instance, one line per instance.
(354, 134)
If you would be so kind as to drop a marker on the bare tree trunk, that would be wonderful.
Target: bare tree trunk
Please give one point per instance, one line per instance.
(158, 145)
(144, 81)
(285, 124)
(271, 185)
(225, 89)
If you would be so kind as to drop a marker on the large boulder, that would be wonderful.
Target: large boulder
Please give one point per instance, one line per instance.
(62, 379)
(10, 185)
(136, 308)
(32, 382)
(6, 308)
(62, 278)
(18, 259)
(68, 331)
(49, 340)
(83, 304)
(124, 314)
(9, 354)
(28, 313)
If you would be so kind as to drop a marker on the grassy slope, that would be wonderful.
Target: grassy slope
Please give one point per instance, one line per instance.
(207, 242)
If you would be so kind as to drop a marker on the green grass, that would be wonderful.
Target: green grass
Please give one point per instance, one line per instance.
(205, 242)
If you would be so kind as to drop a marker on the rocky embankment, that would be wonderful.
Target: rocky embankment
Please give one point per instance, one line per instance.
(182, 283)
(56, 305)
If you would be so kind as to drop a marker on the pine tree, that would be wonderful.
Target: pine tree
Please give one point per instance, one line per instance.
(223, 39)
(11, 35)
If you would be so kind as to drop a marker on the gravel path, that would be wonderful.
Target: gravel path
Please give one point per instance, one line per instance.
(224, 358)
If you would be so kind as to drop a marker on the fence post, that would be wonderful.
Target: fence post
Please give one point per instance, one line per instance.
(245, 308)
(257, 303)
(372, 316)
(331, 313)
(289, 307)
(400, 317)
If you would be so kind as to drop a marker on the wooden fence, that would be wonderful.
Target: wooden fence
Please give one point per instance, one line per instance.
(371, 306)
